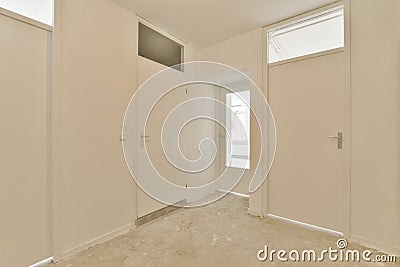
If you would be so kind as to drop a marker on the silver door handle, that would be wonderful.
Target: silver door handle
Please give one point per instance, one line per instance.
(145, 138)
(339, 139)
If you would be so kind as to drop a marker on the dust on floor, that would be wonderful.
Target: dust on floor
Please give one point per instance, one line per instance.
(220, 234)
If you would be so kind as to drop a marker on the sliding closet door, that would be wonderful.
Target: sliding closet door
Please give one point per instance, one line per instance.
(24, 192)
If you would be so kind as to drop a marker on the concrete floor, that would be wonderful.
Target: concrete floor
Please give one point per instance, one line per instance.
(221, 234)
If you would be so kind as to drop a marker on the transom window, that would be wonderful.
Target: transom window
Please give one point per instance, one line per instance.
(318, 33)
(39, 10)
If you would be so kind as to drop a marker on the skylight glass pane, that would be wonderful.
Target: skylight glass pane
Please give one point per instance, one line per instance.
(311, 35)
(39, 10)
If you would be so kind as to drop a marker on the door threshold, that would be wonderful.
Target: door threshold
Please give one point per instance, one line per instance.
(158, 213)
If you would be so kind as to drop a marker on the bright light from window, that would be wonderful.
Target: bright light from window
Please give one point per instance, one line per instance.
(238, 127)
(324, 31)
(40, 10)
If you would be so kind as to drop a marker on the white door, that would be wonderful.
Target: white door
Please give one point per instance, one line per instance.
(151, 138)
(307, 180)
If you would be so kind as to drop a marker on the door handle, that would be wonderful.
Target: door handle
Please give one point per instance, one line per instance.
(339, 139)
(122, 137)
(145, 138)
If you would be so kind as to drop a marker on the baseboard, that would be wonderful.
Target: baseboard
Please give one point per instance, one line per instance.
(45, 262)
(375, 245)
(158, 213)
(104, 238)
(234, 193)
(306, 225)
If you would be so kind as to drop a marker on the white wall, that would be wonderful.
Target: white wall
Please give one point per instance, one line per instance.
(24, 143)
(244, 53)
(95, 75)
(375, 171)
(375, 168)
(95, 55)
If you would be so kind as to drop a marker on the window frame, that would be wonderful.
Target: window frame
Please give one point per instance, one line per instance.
(24, 19)
(299, 20)
(228, 149)
(165, 34)
(28, 18)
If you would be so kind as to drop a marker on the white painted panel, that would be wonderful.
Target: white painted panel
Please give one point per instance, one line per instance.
(375, 151)
(96, 77)
(24, 195)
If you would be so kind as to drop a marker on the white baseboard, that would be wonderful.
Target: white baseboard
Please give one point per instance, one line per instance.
(391, 250)
(42, 263)
(234, 193)
(306, 225)
(104, 238)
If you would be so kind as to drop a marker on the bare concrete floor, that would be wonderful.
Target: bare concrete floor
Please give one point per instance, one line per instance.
(221, 234)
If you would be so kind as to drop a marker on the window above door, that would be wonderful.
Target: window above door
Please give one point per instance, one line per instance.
(39, 10)
(159, 48)
(315, 34)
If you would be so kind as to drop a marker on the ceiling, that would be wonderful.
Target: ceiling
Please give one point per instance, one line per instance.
(205, 22)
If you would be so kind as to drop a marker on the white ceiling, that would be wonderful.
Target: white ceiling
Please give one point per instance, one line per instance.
(205, 22)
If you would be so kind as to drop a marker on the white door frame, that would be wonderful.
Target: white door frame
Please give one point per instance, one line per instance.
(264, 196)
